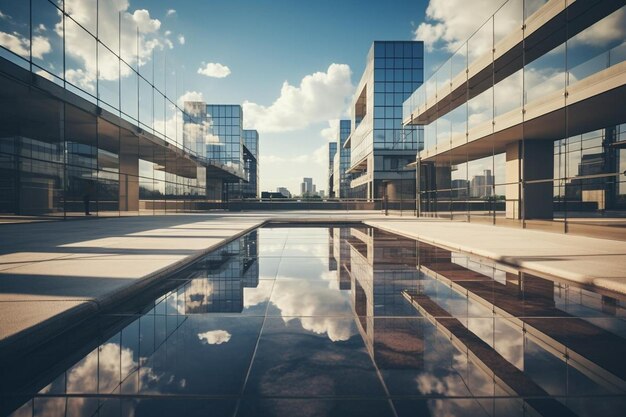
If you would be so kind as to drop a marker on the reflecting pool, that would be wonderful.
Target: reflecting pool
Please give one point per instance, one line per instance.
(336, 321)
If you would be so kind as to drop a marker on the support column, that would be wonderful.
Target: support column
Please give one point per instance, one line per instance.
(532, 161)
(129, 175)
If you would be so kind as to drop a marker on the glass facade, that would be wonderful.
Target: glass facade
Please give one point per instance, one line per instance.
(342, 179)
(380, 146)
(90, 119)
(332, 150)
(251, 164)
(224, 141)
(524, 122)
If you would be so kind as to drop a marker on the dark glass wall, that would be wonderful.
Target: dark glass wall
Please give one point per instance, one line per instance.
(90, 116)
(524, 123)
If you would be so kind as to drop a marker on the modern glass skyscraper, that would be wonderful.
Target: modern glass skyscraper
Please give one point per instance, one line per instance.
(228, 145)
(225, 135)
(380, 147)
(526, 121)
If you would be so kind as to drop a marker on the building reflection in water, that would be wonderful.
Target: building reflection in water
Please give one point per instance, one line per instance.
(501, 332)
(443, 333)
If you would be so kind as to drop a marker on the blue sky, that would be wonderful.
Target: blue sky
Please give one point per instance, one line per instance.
(266, 43)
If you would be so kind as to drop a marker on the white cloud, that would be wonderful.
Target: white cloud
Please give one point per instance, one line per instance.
(4, 16)
(215, 70)
(82, 79)
(214, 337)
(320, 309)
(331, 133)
(41, 46)
(190, 96)
(319, 97)
(448, 29)
(108, 362)
(609, 29)
(170, 12)
(181, 39)
(137, 27)
(19, 45)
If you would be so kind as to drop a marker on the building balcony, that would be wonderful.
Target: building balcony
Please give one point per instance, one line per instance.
(488, 58)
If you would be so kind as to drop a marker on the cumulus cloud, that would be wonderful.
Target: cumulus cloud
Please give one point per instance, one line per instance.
(136, 28)
(313, 304)
(214, 70)
(170, 12)
(609, 29)
(181, 39)
(448, 29)
(20, 45)
(109, 362)
(331, 133)
(321, 96)
(190, 96)
(214, 337)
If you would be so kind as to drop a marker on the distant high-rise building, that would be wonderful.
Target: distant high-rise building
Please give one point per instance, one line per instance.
(307, 187)
(481, 186)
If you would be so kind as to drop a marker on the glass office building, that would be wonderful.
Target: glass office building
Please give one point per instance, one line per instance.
(89, 116)
(341, 162)
(251, 164)
(381, 148)
(217, 130)
(332, 150)
(525, 122)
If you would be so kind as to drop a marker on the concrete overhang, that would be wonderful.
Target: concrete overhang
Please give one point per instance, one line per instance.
(361, 165)
(363, 179)
(33, 95)
(592, 103)
(543, 31)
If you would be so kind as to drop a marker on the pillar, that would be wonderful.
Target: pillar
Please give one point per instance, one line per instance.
(532, 160)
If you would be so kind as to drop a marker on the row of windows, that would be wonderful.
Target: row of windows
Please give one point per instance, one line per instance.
(414, 75)
(395, 49)
(224, 121)
(381, 112)
(389, 99)
(223, 111)
(388, 124)
(398, 63)
(395, 87)
(222, 130)
(397, 135)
